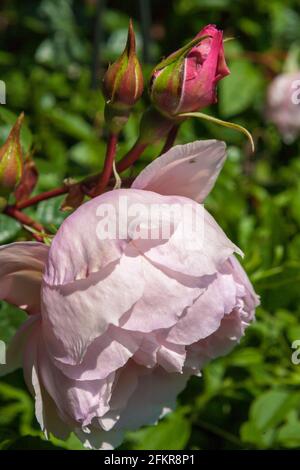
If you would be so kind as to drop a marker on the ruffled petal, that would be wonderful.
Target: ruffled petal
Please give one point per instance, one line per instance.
(77, 251)
(98, 233)
(251, 299)
(77, 313)
(206, 314)
(163, 301)
(219, 343)
(80, 401)
(47, 414)
(157, 389)
(198, 247)
(105, 355)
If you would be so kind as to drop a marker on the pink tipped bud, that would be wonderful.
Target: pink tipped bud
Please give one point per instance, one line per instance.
(11, 160)
(186, 81)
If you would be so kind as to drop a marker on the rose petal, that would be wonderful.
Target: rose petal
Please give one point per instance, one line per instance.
(163, 301)
(186, 170)
(83, 247)
(75, 314)
(218, 343)
(205, 316)
(157, 389)
(81, 401)
(21, 268)
(194, 252)
(14, 354)
(105, 355)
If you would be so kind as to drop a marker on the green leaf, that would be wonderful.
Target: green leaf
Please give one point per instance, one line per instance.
(278, 277)
(172, 433)
(246, 357)
(49, 213)
(31, 443)
(16, 403)
(88, 154)
(268, 411)
(250, 434)
(72, 443)
(239, 89)
(71, 124)
(272, 407)
(289, 435)
(9, 228)
(10, 319)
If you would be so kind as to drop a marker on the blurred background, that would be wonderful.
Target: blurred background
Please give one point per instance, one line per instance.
(52, 56)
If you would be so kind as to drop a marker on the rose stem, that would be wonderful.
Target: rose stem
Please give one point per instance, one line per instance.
(170, 139)
(108, 165)
(131, 156)
(42, 197)
(24, 219)
(123, 164)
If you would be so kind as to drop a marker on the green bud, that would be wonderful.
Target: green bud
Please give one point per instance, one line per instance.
(123, 84)
(11, 160)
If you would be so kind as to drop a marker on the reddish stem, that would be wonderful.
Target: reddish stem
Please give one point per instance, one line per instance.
(24, 219)
(62, 190)
(42, 197)
(123, 164)
(108, 165)
(131, 156)
(170, 139)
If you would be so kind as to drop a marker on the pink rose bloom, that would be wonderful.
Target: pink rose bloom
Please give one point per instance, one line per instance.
(283, 105)
(117, 326)
(189, 83)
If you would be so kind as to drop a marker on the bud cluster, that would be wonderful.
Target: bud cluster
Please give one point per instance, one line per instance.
(183, 82)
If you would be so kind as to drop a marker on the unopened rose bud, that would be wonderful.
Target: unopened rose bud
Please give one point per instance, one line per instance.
(186, 81)
(123, 84)
(11, 160)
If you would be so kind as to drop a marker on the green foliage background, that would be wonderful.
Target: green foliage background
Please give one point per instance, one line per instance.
(250, 398)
